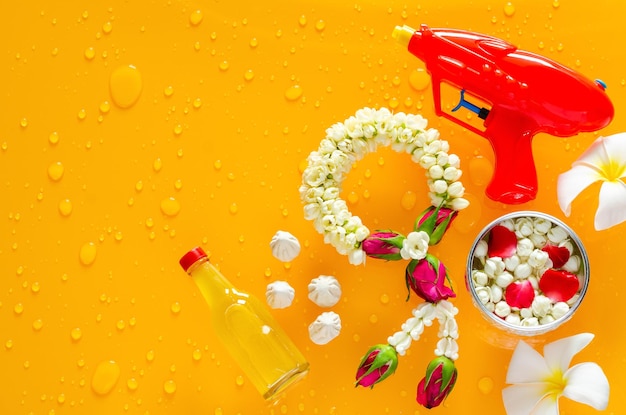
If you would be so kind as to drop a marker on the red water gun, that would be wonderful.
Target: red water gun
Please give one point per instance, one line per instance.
(525, 94)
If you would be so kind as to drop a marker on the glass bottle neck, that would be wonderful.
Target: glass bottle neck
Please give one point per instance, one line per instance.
(212, 284)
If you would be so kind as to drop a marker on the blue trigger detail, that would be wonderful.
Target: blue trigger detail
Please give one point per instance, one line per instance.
(463, 103)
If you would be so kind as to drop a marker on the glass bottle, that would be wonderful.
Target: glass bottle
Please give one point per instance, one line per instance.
(246, 328)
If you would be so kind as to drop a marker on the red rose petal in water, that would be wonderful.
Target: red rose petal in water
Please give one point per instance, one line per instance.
(519, 294)
(559, 285)
(558, 254)
(502, 242)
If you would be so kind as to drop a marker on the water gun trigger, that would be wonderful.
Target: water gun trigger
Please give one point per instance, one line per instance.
(463, 103)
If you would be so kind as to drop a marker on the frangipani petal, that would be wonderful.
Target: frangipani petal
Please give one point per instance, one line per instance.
(571, 183)
(559, 353)
(548, 405)
(604, 160)
(614, 148)
(612, 206)
(523, 399)
(527, 365)
(587, 383)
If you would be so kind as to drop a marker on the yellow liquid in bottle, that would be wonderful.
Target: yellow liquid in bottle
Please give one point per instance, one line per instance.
(260, 347)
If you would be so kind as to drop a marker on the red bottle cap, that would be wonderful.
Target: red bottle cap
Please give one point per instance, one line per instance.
(192, 257)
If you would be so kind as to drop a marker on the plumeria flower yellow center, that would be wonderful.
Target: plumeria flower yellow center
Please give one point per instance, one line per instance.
(537, 382)
(605, 161)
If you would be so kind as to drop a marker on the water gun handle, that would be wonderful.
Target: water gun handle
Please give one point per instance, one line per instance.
(514, 178)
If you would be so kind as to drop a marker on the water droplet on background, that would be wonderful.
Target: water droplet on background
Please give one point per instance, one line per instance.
(107, 27)
(65, 207)
(509, 9)
(76, 334)
(480, 170)
(90, 53)
(169, 386)
(195, 18)
(88, 253)
(419, 79)
(170, 206)
(125, 86)
(409, 199)
(55, 171)
(293, 93)
(485, 385)
(53, 138)
(132, 384)
(105, 377)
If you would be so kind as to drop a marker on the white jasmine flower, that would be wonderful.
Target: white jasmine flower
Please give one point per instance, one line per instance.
(538, 258)
(315, 175)
(542, 225)
(522, 271)
(539, 240)
(427, 161)
(440, 186)
(502, 309)
(557, 234)
(572, 264)
(415, 245)
(525, 247)
(496, 293)
(541, 306)
(454, 161)
(537, 382)
(494, 266)
(559, 310)
(526, 313)
(509, 224)
(510, 263)
(530, 322)
(452, 173)
(605, 161)
(513, 319)
(504, 279)
(456, 189)
(484, 294)
(480, 278)
(448, 347)
(458, 203)
(435, 172)
(524, 227)
(481, 249)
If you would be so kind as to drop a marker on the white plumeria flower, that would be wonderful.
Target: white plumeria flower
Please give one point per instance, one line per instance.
(604, 160)
(538, 381)
(415, 245)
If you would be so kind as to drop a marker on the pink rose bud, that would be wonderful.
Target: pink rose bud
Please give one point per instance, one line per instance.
(435, 221)
(379, 363)
(438, 383)
(383, 245)
(427, 277)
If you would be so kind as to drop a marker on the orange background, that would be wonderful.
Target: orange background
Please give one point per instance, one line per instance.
(233, 98)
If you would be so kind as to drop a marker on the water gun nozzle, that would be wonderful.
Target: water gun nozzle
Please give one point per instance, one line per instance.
(402, 34)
